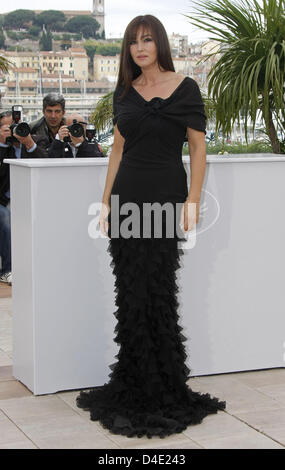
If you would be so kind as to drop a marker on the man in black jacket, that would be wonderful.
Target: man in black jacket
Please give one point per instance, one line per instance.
(53, 117)
(78, 147)
(20, 147)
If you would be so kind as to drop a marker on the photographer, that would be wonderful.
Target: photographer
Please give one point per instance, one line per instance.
(12, 145)
(53, 117)
(71, 141)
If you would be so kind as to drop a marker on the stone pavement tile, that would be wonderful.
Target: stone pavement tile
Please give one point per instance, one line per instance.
(271, 422)
(249, 440)
(5, 319)
(11, 437)
(51, 424)
(224, 431)
(238, 396)
(169, 442)
(5, 360)
(216, 426)
(69, 397)
(12, 389)
(6, 344)
(5, 290)
(277, 392)
(260, 378)
(6, 372)
(6, 305)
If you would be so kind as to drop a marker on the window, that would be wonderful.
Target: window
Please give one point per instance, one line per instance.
(102, 69)
(70, 64)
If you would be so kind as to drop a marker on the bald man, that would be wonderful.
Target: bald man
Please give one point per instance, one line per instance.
(78, 147)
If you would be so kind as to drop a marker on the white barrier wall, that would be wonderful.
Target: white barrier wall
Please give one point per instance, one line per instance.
(232, 296)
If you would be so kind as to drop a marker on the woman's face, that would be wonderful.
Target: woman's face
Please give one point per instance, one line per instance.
(143, 49)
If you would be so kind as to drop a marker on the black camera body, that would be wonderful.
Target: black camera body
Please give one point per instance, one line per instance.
(76, 130)
(22, 128)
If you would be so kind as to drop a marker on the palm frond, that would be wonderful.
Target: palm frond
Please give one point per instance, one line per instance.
(103, 113)
(5, 64)
(249, 74)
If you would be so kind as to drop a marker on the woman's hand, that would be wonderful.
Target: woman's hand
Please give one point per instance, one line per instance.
(189, 215)
(103, 218)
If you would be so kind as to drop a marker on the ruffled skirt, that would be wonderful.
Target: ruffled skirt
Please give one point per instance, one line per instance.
(147, 394)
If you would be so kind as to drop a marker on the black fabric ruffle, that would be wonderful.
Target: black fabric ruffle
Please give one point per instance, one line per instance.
(147, 393)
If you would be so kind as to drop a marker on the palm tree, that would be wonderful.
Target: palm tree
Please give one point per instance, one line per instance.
(103, 113)
(4, 64)
(249, 75)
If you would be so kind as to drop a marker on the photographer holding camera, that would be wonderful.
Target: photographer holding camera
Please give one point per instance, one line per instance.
(52, 119)
(75, 139)
(15, 142)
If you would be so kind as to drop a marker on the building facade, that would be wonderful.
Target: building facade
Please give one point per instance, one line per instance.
(73, 62)
(106, 67)
(178, 45)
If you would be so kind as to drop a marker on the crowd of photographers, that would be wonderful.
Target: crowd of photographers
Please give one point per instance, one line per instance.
(55, 135)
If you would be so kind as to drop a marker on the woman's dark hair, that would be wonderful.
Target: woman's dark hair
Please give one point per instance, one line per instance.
(52, 99)
(128, 69)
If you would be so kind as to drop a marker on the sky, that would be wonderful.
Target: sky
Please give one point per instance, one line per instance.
(118, 13)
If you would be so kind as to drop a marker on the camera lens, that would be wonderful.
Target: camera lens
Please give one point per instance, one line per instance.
(23, 129)
(76, 130)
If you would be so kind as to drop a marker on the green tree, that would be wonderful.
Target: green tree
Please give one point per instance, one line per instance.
(108, 49)
(84, 24)
(18, 18)
(103, 113)
(95, 47)
(46, 41)
(34, 31)
(90, 47)
(51, 19)
(249, 76)
(66, 42)
(5, 64)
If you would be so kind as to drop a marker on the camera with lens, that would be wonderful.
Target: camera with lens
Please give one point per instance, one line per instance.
(76, 130)
(22, 128)
(90, 132)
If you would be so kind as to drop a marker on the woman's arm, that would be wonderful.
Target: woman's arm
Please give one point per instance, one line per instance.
(114, 162)
(197, 153)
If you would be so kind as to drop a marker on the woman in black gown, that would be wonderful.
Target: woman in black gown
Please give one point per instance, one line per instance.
(153, 109)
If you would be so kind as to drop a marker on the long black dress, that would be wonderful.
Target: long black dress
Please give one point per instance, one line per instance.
(147, 393)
